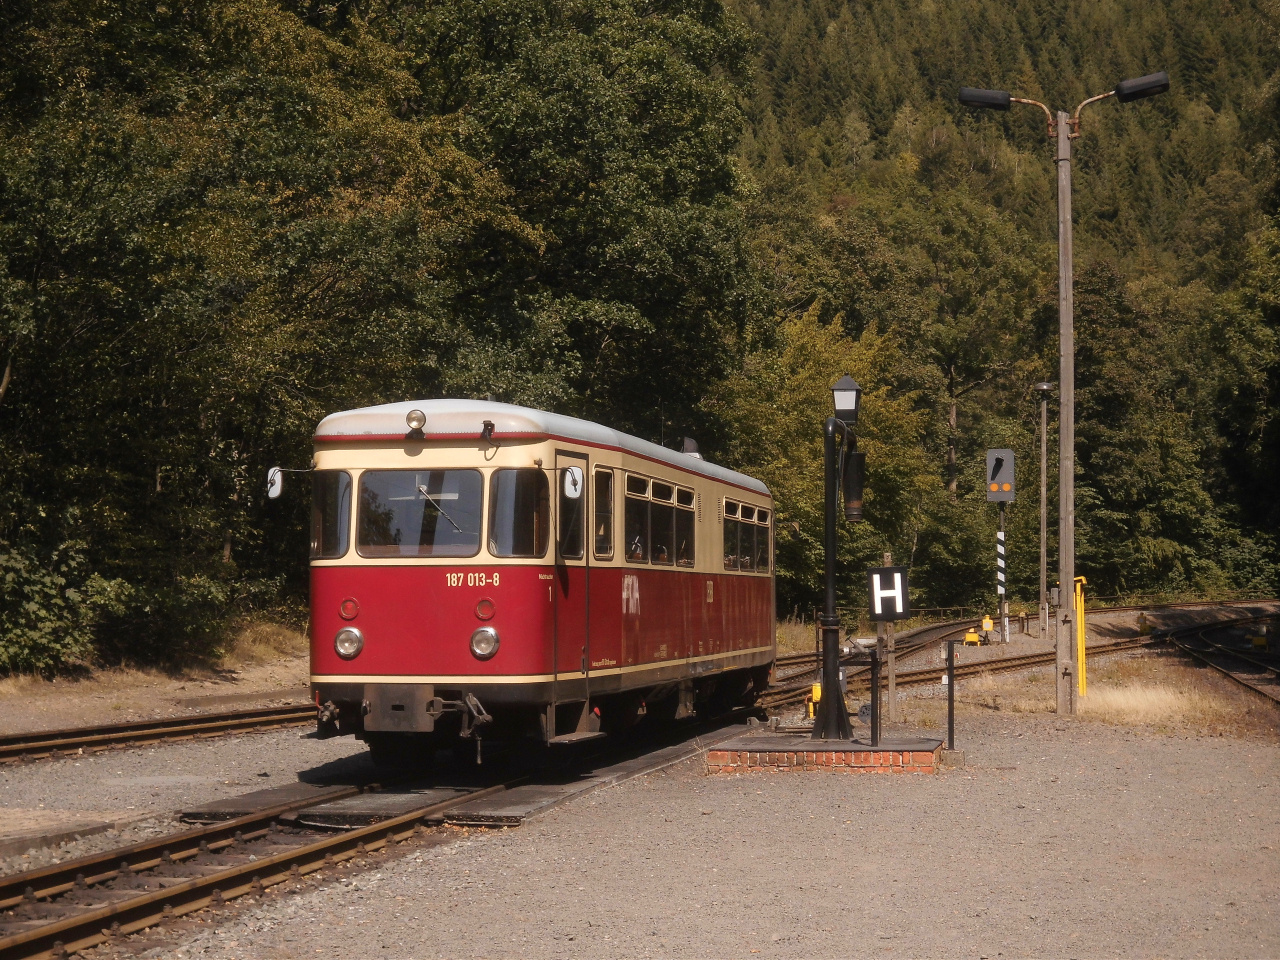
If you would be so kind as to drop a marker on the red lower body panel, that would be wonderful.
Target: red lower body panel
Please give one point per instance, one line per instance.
(625, 624)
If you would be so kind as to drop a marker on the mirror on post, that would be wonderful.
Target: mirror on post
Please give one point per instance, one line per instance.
(275, 482)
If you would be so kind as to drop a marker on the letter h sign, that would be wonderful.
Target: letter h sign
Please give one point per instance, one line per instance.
(888, 589)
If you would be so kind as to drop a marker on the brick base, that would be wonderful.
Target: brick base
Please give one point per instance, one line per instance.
(838, 761)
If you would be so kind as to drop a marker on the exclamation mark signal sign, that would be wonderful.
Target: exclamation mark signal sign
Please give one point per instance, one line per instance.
(1000, 483)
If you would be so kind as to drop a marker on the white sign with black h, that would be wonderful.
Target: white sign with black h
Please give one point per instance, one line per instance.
(889, 592)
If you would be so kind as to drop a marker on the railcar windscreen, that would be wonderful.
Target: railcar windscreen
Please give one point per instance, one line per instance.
(519, 513)
(330, 514)
(420, 513)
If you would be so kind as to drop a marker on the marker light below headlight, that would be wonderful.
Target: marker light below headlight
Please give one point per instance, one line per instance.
(348, 642)
(484, 643)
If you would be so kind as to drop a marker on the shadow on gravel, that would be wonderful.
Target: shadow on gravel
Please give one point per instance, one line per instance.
(506, 760)
(355, 770)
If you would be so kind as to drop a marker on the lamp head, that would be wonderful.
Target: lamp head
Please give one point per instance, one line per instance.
(1148, 86)
(847, 396)
(1042, 388)
(985, 99)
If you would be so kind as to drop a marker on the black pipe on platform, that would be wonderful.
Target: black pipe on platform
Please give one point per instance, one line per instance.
(875, 698)
(951, 693)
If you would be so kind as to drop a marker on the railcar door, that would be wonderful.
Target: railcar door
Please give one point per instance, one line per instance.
(572, 640)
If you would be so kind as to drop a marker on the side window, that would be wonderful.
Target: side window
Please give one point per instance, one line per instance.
(685, 525)
(662, 548)
(730, 535)
(662, 526)
(572, 502)
(637, 522)
(635, 517)
(604, 514)
(746, 537)
(762, 541)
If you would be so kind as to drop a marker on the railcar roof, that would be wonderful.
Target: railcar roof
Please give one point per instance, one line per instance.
(463, 419)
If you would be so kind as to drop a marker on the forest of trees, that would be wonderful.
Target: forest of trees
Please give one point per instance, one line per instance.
(222, 219)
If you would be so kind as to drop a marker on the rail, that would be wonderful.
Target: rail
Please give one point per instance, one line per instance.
(55, 743)
(44, 891)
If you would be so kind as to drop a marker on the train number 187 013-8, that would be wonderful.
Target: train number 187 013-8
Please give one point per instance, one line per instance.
(472, 579)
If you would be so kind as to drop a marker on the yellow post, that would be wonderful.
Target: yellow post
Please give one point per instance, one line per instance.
(1080, 582)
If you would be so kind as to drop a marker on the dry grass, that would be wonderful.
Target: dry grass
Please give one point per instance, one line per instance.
(25, 687)
(252, 644)
(1031, 693)
(264, 642)
(1162, 692)
(795, 636)
(1153, 704)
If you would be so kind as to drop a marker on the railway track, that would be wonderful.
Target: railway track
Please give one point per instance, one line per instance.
(860, 681)
(71, 906)
(805, 664)
(1259, 672)
(908, 643)
(56, 743)
(74, 905)
(1261, 676)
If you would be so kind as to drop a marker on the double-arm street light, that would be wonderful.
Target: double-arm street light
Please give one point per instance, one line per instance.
(1065, 128)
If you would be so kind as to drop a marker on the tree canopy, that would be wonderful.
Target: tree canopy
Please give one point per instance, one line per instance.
(222, 219)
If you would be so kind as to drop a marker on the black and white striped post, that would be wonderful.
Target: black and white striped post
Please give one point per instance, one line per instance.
(1000, 580)
(1000, 489)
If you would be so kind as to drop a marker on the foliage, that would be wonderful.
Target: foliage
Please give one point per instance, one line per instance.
(222, 219)
(48, 609)
(885, 202)
(772, 406)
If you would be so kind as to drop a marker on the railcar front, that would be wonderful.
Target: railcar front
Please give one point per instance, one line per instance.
(482, 569)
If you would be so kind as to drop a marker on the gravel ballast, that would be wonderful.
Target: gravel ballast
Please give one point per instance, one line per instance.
(1060, 838)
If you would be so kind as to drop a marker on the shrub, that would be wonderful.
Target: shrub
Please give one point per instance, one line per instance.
(48, 609)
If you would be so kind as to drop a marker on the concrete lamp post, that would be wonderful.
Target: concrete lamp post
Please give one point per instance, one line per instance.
(1068, 125)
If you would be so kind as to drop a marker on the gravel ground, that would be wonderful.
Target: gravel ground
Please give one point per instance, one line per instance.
(1060, 838)
(151, 783)
(125, 834)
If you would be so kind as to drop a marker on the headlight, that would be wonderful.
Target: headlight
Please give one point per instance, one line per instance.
(349, 641)
(416, 419)
(484, 643)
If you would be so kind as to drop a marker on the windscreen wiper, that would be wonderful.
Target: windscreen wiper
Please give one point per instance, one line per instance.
(436, 503)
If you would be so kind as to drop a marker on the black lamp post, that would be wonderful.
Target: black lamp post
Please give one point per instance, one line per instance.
(1065, 128)
(841, 461)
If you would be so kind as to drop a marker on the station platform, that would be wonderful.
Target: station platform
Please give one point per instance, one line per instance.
(797, 753)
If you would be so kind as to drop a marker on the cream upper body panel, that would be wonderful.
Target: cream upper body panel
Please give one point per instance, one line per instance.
(520, 441)
(458, 419)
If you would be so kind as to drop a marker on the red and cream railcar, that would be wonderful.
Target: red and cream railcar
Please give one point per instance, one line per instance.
(486, 568)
